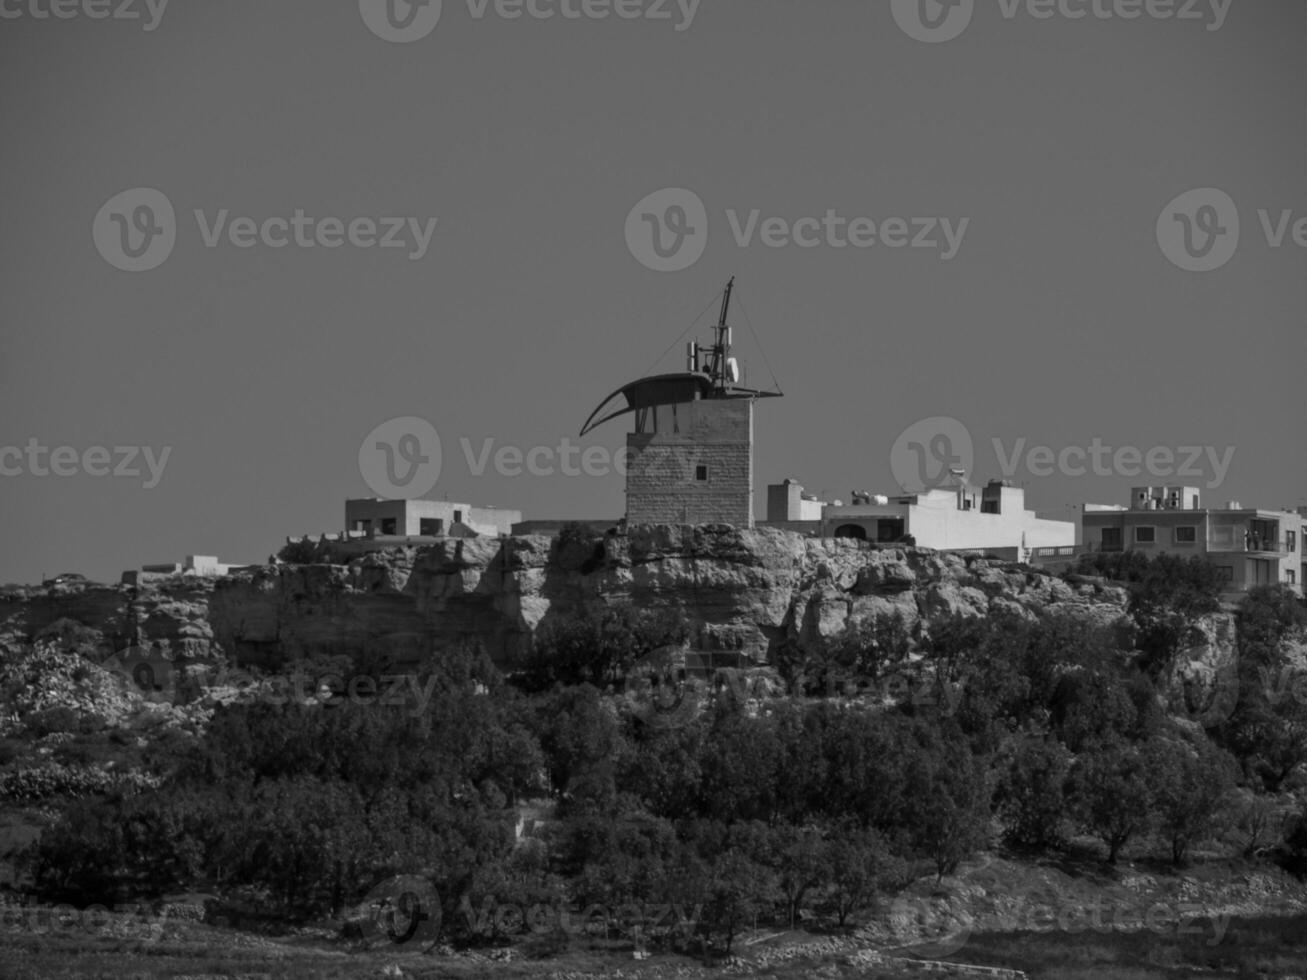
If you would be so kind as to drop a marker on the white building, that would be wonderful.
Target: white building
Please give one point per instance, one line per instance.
(202, 566)
(1249, 546)
(378, 517)
(964, 518)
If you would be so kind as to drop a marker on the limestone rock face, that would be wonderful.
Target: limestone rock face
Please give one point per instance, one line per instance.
(1203, 684)
(743, 593)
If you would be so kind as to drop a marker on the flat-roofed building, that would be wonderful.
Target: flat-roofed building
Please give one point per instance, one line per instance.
(1251, 546)
(990, 519)
(379, 517)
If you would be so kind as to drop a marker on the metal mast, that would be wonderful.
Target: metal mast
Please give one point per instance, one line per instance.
(721, 348)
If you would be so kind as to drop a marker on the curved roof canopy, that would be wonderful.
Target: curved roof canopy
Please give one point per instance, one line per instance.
(667, 389)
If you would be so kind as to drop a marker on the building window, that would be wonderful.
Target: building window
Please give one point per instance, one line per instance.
(1291, 577)
(1290, 541)
(458, 517)
(388, 525)
(701, 473)
(1186, 535)
(1145, 535)
(1112, 539)
(428, 527)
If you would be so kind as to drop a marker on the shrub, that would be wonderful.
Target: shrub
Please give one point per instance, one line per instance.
(301, 552)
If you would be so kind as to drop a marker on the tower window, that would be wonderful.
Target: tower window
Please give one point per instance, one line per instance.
(701, 473)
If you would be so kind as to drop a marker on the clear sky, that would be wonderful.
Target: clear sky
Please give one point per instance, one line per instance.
(1059, 320)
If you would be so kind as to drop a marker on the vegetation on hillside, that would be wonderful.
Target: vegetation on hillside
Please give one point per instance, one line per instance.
(748, 811)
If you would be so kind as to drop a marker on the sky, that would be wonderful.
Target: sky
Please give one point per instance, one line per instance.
(209, 379)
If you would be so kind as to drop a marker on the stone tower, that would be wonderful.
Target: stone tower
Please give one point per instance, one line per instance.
(690, 458)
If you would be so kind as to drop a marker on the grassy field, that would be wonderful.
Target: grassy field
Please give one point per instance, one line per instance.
(1252, 948)
(1272, 948)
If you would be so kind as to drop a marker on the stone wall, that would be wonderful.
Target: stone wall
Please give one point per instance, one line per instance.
(661, 480)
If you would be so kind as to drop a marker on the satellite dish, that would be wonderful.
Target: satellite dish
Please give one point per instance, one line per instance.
(733, 370)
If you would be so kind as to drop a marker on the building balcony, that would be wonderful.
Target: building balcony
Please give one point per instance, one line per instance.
(1252, 546)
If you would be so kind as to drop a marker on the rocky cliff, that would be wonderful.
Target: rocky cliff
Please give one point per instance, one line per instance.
(741, 592)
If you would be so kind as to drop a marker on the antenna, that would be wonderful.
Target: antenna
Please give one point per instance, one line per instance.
(721, 348)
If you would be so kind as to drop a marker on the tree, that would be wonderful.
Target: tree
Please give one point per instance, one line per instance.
(1092, 705)
(863, 650)
(1111, 794)
(1255, 818)
(947, 803)
(1032, 793)
(740, 764)
(598, 647)
(301, 551)
(582, 742)
(861, 865)
(662, 768)
(1190, 784)
(1267, 730)
(798, 856)
(736, 891)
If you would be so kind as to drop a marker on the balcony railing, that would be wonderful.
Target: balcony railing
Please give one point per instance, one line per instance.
(1250, 544)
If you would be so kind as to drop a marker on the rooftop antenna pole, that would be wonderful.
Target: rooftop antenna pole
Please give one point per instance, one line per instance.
(722, 345)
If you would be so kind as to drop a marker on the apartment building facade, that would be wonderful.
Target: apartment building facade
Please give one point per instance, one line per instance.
(1249, 546)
